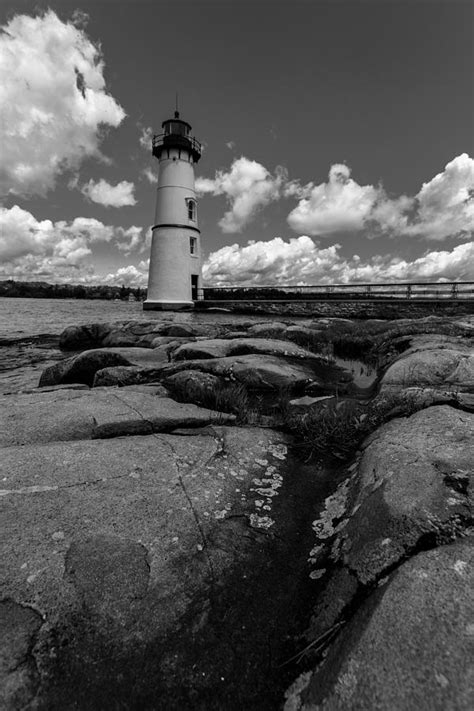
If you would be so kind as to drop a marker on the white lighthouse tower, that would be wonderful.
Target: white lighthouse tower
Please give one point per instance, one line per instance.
(175, 259)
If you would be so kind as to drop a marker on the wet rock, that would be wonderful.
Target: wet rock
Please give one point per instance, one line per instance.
(83, 367)
(71, 415)
(409, 646)
(19, 678)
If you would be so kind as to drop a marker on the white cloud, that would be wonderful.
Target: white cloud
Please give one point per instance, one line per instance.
(336, 206)
(146, 137)
(56, 250)
(150, 175)
(248, 186)
(53, 101)
(128, 276)
(443, 208)
(445, 205)
(301, 261)
(109, 195)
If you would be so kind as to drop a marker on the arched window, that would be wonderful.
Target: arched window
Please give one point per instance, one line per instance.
(191, 204)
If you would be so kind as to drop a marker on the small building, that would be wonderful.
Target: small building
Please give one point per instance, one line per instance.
(174, 276)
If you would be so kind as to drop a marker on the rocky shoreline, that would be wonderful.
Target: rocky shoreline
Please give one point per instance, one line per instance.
(217, 517)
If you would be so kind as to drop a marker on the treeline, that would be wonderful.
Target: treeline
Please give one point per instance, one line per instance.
(43, 290)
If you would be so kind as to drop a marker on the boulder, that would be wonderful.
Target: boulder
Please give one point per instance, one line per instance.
(121, 334)
(270, 329)
(436, 367)
(72, 415)
(261, 372)
(410, 646)
(75, 338)
(410, 488)
(192, 385)
(414, 484)
(83, 367)
(222, 347)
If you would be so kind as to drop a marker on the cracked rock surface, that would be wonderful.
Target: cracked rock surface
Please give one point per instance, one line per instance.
(122, 547)
(62, 415)
(406, 633)
(409, 646)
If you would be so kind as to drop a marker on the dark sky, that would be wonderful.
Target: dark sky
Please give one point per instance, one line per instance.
(383, 86)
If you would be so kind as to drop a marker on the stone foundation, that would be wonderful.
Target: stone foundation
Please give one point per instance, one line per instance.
(346, 309)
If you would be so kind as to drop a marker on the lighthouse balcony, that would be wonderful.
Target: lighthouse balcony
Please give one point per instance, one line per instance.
(166, 141)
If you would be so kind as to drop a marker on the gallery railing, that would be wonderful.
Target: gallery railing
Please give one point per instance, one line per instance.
(342, 292)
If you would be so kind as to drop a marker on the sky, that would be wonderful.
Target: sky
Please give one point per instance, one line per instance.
(337, 137)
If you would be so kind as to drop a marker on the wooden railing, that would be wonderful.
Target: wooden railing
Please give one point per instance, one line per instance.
(419, 291)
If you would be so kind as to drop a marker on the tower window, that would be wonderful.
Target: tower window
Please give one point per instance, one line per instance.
(193, 245)
(191, 209)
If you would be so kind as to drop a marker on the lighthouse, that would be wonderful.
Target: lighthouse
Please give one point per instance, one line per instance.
(175, 259)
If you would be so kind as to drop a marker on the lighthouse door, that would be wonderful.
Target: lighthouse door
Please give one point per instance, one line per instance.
(194, 287)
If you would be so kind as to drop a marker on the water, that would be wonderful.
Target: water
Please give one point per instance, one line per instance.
(30, 329)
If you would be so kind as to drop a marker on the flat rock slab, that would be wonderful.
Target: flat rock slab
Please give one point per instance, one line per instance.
(69, 415)
(117, 545)
(410, 646)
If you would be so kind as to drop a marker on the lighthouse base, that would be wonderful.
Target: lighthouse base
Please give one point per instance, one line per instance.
(149, 305)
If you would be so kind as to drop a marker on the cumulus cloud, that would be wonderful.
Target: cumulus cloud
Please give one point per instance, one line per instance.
(445, 205)
(54, 102)
(443, 208)
(301, 261)
(248, 186)
(128, 276)
(109, 195)
(42, 248)
(336, 206)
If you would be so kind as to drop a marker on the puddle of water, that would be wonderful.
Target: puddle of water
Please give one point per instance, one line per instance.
(364, 376)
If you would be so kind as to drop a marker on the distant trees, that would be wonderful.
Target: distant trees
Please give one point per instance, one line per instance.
(43, 290)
